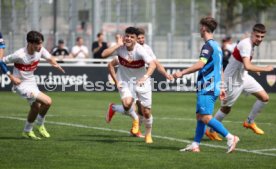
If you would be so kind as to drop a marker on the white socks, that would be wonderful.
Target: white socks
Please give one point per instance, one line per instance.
(40, 120)
(220, 115)
(148, 124)
(257, 107)
(28, 126)
(229, 136)
(132, 113)
(118, 108)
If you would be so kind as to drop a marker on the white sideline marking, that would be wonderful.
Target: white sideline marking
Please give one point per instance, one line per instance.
(155, 136)
(157, 118)
(272, 149)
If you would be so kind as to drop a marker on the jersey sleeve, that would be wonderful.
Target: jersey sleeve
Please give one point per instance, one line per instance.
(150, 52)
(2, 43)
(12, 58)
(45, 54)
(206, 53)
(143, 53)
(245, 50)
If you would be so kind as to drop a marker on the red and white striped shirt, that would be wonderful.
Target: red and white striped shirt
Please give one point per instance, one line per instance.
(235, 68)
(25, 64)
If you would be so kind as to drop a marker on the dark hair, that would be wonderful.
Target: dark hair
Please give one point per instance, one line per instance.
(99, 34)
(61, 41)
(259, 28)
(132, 30)
(210, 23)
(78, 38)
(141, 31)
(34, 37)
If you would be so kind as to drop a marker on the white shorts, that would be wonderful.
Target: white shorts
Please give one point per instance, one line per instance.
(142, 93)
(28, 91)
(249, 85)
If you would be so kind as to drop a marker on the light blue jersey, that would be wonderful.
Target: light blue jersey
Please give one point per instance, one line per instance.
(2, 43)
(209, 77)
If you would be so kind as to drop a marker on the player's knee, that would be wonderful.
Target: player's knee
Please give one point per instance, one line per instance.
(265, 98)
(127, 103)
(35, 107)
(225, 109)
(48, 102)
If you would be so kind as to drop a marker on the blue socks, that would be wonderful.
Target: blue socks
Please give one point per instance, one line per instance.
(200, 130)
(218, 127)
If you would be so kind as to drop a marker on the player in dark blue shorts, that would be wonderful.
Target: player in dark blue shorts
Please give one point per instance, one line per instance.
(208, 87)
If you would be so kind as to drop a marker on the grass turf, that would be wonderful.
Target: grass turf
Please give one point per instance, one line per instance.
(80, 137)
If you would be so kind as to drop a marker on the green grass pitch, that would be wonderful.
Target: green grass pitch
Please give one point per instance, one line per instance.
(81, 139)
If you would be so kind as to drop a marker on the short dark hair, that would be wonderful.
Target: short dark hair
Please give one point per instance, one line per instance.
(61, 41)
(141, 31)
(259, 28)
(132, 30)
(78, 38)
(34, 37)
(210, 23)
(99, 34)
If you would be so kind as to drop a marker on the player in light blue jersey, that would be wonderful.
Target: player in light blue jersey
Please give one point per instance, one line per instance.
(208, 87)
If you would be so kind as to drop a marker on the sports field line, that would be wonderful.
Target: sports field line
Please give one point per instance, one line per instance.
(261, 150)
(155, 136)
(156, 118)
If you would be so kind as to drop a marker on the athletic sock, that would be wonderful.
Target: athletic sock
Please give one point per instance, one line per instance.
(218, 127)
(200, 130)
(220, 115)
(132, 113)
(40, 120)
(28, 126)
(141, 119)
(118, 108)
(148, 124)
(256, 109)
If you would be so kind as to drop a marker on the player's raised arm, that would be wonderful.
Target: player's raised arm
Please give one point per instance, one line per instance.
(107, 52)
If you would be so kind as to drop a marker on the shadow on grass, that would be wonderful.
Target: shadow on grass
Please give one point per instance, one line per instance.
(12, 138)
(102, 138)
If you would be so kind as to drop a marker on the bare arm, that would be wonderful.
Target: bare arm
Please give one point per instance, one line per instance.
(54, 63)
(107, 52)
(149, 72)
(1, 53)
(111, 69)
(222, 95)
(253, 68)
(162, 70)
(197, 66)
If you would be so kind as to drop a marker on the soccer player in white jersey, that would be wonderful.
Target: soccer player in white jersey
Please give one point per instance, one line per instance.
(160, 68)
(132, 75)
(238, 80)
(25, 63)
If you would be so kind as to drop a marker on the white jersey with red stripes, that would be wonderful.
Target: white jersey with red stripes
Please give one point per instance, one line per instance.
(132, 63)
(25, 64)
(149, 51)
(235, 68)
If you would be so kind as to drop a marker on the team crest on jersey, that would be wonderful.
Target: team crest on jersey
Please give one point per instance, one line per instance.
(270, 79)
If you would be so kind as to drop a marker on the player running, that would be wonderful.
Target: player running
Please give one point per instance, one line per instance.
(140, 108)
(208, 89)
(132, 74)
(25, 63)
(236, 72)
